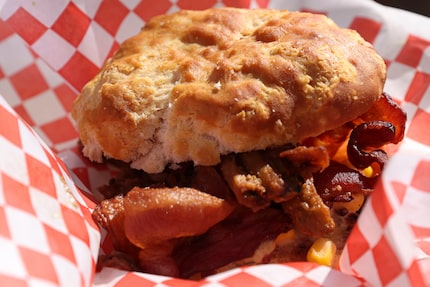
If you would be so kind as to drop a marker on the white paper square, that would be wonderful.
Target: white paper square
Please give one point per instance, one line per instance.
(130, 4)
(67, 272)
(44, 108)
(30, 144)
(51, 77)
(48, 210)
(11, 263)
(9, 93)
(53, 49)
(370, 223)
(90, 44)
(14, 164)
(46, 12)
(130, 26)
(401, 239)
(88, 7)
(8, 8)
(400, 77)
(27, 230)
(16, 61)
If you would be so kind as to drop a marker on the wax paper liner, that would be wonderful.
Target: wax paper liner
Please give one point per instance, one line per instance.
(49, 49)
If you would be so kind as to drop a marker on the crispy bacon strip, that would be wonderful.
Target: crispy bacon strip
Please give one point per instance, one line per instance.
(384, 123)
(370, 136)
(338, 183)
(385, 109)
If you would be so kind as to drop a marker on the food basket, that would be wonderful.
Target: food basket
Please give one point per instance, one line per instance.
(50, 49)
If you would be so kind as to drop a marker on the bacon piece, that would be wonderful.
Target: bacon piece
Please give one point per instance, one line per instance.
(385, 109)
(154, 218)
(370, 136)
(233, 239)
(207, 179)
(160, 214)
(384, 123)
(338, 182)
(307, 160)
(109, 214)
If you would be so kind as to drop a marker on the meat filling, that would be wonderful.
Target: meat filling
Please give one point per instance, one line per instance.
(193, 220)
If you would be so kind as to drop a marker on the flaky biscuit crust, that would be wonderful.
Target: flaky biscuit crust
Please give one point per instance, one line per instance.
(197, 84)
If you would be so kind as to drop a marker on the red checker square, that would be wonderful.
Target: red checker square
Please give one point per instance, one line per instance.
(78, 71)
(11, 281)
(5, 30)
(424, 247)
(16, 194)
(192, 4)
(304, 267)
(22, 112)
(54, 162)
(261, 3)
(367, 28)
(420, 232)
(239, 4)
(386, 261)
(25, 25)
(60, 243)
(415, 275)
(244, 279)
(110, 15)
(412, 51)
(421, 178)
(40, 175)
(418, 129)
(400, 190)
(9, 127)
(66, 96)
(88, 215)
(417, 87)
(302, 281)
(131, 279)
(148, 9)
(4, 227)
(357, 244)
(181, 283)
(29, 82)
(60, 130)
(39, 265)
(72, 24)
(113, 49)
(75, 224)
(380, 204)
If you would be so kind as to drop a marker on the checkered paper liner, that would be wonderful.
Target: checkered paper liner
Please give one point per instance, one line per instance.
(50, 49)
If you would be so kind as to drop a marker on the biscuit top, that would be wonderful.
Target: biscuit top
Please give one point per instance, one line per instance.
(194, 85)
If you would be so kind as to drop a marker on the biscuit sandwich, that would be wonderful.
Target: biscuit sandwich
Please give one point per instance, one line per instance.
(242, 136)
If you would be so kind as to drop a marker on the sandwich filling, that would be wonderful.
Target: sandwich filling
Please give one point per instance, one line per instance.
(191, 221)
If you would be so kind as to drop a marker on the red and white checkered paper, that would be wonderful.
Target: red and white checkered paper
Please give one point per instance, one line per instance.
(50, 49)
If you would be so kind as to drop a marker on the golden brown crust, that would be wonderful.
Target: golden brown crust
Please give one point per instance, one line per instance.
(196, 84)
